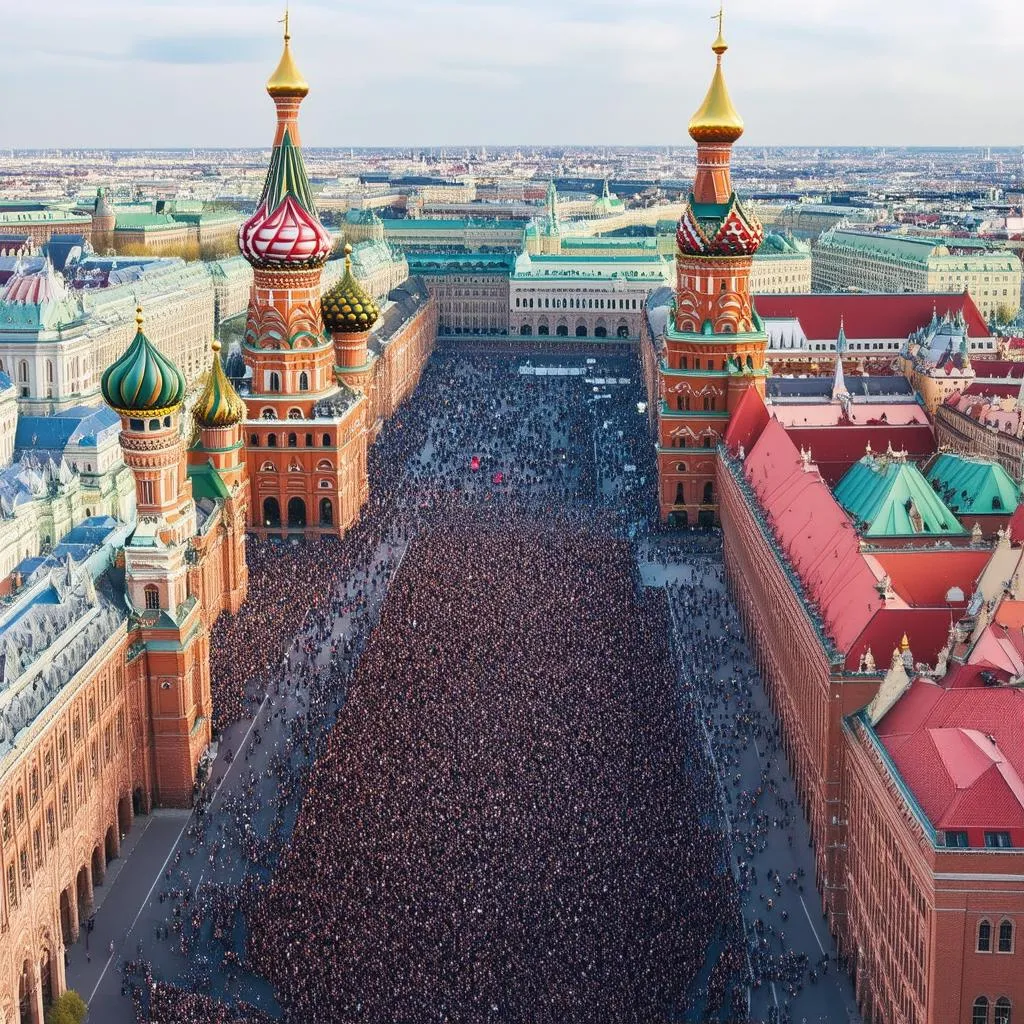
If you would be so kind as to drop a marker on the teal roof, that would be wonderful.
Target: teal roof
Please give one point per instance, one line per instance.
(207, 483)
(973, 486)
(143, 380)
(612, 243)
(134, 221)
(881, 493)
(455, 224)
(902, 248)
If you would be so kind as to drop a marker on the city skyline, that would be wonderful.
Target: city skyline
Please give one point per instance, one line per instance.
(460, 72)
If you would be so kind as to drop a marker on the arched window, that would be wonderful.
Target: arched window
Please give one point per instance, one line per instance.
(275, 382)
(293, 440)
(680, 495)
(326, 512)
(309, 440)
(1002, 1014)
(979, 1012)
(709, 493)
(254, 440)
(271, 440)
(682, 363)
(295, 414)
(984, 937)
(269, 414)
(326, 440)
(23, 372)
(303, 381)
(680, 467)
(526, 330)
(296, 513)
(271, 512)
(1005, 937)
(581, 331)
(152, 593)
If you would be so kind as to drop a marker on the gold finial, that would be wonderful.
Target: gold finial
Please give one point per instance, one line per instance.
(905, 643)
(717, 120)
(287, 80)
(138, 317)
(348, 255)
(719, 46)
(215, 346)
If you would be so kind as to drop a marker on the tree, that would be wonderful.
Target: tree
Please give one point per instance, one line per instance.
(69, 1008)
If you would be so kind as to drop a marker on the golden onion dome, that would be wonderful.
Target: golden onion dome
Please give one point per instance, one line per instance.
(218, 404)
(717, 119)
(287, 79)
(346, 308)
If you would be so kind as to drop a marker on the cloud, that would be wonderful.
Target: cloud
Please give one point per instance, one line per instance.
(398, 72)
(199, 49)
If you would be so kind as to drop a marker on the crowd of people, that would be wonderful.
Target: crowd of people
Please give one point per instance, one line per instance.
(473, 787)
(501, 827)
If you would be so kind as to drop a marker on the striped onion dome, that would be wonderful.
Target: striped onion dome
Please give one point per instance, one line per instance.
(218, 404)
(346, 308)
(143, 381)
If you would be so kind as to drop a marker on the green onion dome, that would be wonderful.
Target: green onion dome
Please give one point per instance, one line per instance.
(143, 381)
(218, 404)
(346, 308)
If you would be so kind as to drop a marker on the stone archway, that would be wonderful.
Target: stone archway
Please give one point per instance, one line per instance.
(83, 885)
(111, 845)
(99, 866)
(296, 514)
(68, 924)
(125, 815)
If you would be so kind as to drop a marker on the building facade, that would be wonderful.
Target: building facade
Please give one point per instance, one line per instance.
(106, 704)
(874, 262)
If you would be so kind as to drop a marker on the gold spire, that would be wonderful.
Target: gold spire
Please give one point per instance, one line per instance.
(138, 317)
(219, 404)
(717, 119)
(287, 80)
(905, 643)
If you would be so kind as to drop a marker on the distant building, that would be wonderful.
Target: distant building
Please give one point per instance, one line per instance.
(471, 290)
(41, 222)
(781, 266)
(879, 262)
(474, 234)
(582, 297)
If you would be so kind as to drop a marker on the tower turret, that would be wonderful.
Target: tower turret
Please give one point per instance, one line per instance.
(349, 315)
(714, 343)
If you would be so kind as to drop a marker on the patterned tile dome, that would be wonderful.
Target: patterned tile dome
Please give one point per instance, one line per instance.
(143, 381)
(346, 308)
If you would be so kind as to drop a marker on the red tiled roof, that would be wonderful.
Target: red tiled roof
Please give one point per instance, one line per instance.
(923, 578)
(926, 628)
(986, 391)
(869, 316)
(837, 448)
(998, 369)
(961, 752)
(815, 533)
(1017, 525)
(747, 422)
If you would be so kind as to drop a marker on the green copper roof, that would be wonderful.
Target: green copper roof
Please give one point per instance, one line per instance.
(889, 497)
(973, 485)
(135, 221)
(287, 176)
(207, 483)
(143, 380)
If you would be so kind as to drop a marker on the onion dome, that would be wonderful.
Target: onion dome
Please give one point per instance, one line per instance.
(284, 235)
(286, 79)
(717, 119)
(346, 308)
(143, 381)
(218, 404)
(731, 230)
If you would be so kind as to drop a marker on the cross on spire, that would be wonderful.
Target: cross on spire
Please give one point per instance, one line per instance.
(284, 21)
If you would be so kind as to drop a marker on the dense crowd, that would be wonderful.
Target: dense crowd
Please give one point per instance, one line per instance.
(485, 797)
(501, 826)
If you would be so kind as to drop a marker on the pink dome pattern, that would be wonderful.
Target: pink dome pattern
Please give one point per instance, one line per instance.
(286, 236)
(734, 232)
(36, 289)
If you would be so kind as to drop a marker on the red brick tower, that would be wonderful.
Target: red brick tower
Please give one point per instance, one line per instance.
(714, 341)
(146, 390)
(304, 431)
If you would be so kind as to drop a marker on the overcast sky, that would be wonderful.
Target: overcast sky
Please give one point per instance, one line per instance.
(148, 73)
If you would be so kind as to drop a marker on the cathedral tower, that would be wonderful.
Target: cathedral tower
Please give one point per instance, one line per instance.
(714, 343)
(306, 444)
(146, 390)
